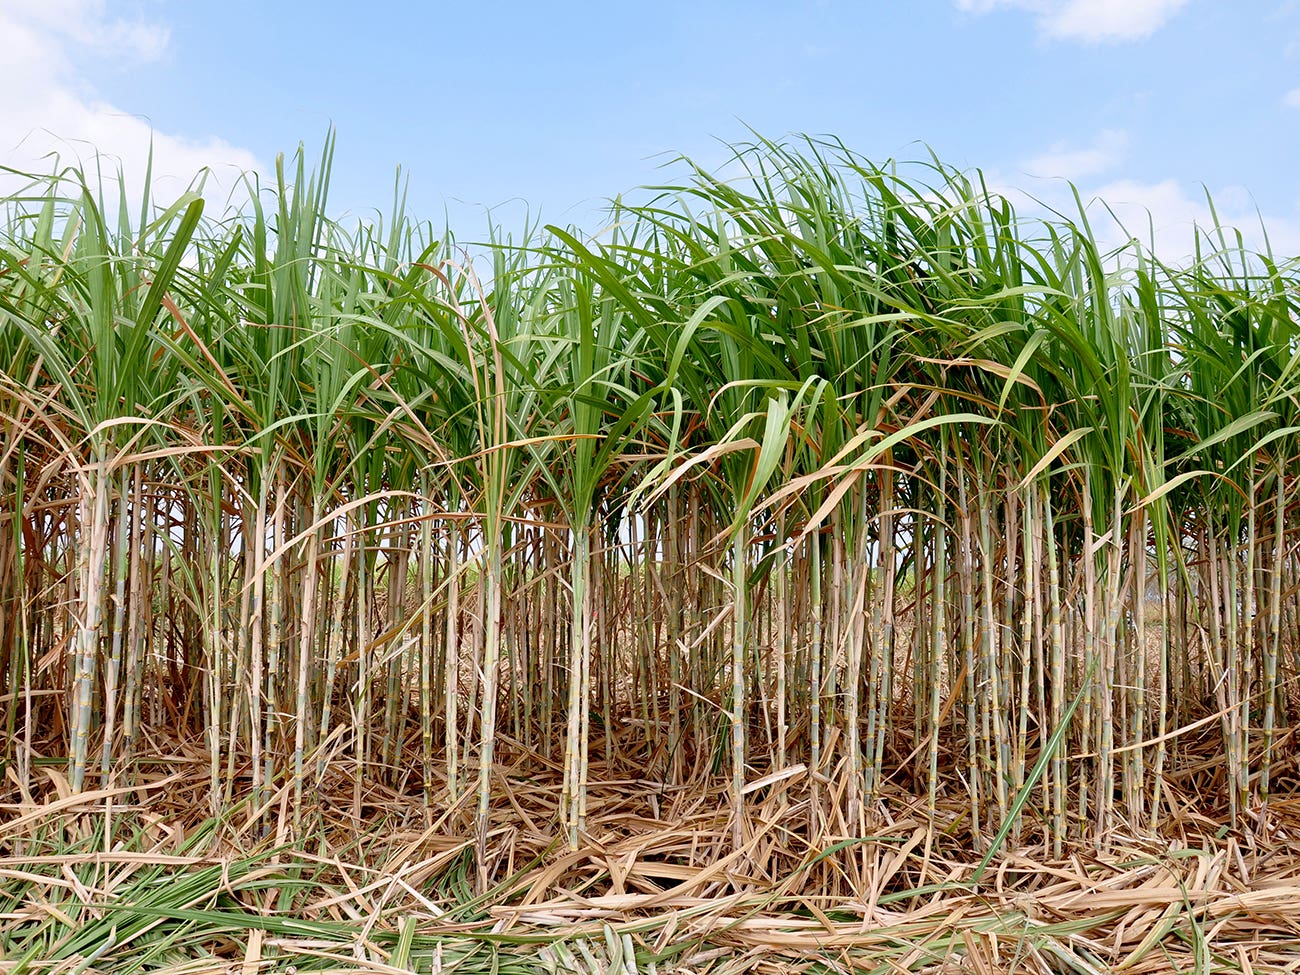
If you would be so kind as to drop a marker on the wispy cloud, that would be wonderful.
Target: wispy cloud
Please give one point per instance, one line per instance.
(1164, 214)
(64, 118)
(1065, 161)
(88, 24)
(1169, 214)
(1092, 21)
(1292, 98)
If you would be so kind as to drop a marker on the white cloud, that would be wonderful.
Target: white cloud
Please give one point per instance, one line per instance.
(1169, 213)
(1165, 214)
(1093, 21)
(87, 23)
(1292, 98)
(1110, 20)
(1063, 161)
(63, 118)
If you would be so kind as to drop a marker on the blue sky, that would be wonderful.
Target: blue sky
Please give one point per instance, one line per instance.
(558, 106)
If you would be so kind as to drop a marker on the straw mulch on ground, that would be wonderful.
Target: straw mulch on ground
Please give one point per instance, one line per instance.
(380, 884)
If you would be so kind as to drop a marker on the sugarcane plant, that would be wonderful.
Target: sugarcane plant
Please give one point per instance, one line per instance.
(830, 473)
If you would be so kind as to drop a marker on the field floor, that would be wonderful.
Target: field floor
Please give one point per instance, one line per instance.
(138, 879)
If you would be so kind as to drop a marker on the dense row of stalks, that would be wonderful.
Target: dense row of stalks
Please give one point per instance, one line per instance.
(815, 471)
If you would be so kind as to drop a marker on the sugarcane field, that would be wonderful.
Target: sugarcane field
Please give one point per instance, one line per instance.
(820, 566)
